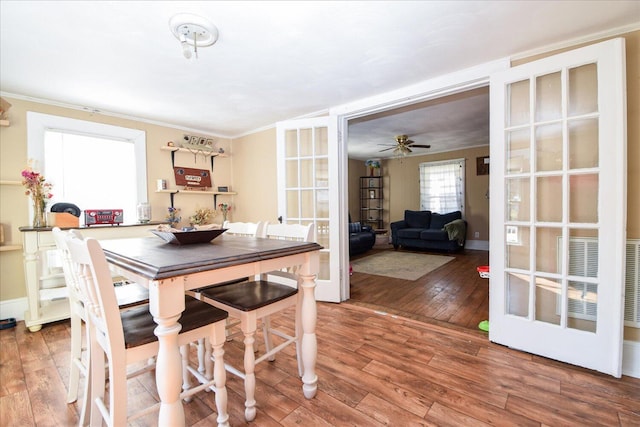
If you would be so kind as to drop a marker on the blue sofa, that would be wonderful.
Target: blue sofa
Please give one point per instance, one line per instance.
(429, 230)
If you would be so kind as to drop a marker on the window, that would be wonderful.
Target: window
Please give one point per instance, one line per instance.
(91, 165)
(442, 186)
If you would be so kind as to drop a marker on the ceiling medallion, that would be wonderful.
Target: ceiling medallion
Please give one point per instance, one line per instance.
(193, 31)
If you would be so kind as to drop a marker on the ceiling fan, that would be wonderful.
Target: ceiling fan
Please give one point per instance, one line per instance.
(402, 145)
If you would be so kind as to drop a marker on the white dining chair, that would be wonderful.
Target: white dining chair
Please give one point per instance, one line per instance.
(127, 337)
(254, 301)
(251, 229)
(296, 232)
(247, 229)
(128, 295)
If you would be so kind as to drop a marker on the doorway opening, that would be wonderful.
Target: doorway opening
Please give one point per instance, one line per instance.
(454, 125)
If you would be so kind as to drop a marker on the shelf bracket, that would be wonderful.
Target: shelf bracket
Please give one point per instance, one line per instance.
(173, 164)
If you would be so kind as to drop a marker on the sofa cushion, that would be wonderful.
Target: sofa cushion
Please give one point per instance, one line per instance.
(417, 219)
(435, 235)
(410, 233)
(439, 220)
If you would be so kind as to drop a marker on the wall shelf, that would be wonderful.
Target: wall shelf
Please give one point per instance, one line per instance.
(215, 194)
(174, 150)
(4, 123)
(7, 248)
(173, 191)
(6, 182)
(186, 150)
(183, 191)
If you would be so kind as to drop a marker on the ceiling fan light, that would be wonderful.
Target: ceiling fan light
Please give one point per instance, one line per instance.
(186, 50)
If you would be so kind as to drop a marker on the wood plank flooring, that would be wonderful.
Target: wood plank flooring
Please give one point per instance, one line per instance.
(453, 295)
(373, 370)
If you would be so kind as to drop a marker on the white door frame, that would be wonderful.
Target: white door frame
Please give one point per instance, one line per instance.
(449, 84)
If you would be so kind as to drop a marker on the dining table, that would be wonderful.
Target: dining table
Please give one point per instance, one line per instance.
(169, 270)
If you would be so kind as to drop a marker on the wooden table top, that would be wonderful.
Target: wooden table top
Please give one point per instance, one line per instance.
(153, 258)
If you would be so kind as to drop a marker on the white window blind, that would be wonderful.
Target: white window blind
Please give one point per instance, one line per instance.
(442, 186)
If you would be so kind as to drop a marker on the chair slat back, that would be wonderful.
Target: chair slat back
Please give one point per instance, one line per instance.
(298, 232)
(60, 238)
(251, 229)
(94, 279)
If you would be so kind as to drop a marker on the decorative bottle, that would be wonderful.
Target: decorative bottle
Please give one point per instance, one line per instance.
(144, 212)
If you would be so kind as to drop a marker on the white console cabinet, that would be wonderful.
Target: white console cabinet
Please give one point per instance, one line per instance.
(46, 288)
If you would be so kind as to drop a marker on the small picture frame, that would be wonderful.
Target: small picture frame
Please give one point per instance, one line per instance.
(193, 140)
(202, 142)
(372, 194)
(482, 165)
(223, 189)
(209, 143)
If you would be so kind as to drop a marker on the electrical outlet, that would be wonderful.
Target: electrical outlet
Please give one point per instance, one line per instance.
(476, 234)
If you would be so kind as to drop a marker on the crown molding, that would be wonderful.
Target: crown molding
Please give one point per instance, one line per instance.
(612, 32)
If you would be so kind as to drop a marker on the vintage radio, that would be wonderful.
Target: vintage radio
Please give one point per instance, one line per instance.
(103, 216)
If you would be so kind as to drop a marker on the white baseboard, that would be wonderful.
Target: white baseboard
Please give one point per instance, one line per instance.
(631, 358)
(13, 308)
(478, 245)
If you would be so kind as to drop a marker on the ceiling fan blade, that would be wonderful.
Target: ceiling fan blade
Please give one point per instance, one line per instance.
(409, 142)
(420, 146)
(387, 149)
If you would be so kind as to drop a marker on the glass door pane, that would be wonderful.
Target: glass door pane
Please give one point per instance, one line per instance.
(558, 142)
(307, 184)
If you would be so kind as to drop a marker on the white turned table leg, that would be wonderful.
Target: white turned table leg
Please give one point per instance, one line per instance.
(166, 311)
(309, 347)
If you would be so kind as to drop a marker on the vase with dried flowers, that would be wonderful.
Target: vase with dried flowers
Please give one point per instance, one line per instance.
(40, 191)
(202, 216)
(173, 216)
(372, 164)
(225, 209)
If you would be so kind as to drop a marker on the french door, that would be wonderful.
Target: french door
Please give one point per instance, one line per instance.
(558, 206)
(308, 191)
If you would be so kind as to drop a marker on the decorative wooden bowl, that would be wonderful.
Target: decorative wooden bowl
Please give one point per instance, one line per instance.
(188, 237)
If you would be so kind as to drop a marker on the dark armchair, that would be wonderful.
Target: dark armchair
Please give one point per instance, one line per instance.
(361, 238)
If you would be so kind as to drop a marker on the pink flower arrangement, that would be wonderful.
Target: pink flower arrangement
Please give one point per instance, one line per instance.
(37, 186)
(40, 191)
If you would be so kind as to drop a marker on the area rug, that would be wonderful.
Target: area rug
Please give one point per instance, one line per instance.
(401, 265)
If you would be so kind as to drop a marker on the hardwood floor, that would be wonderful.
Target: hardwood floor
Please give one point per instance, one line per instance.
(453, 294)
(373, 370)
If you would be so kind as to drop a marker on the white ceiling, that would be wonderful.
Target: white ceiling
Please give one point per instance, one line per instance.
(281, 60)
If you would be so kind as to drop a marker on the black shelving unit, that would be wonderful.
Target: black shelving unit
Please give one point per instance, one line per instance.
(371, 202)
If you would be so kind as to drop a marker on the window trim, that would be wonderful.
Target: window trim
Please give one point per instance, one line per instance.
(463, 165)
(38, 123)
